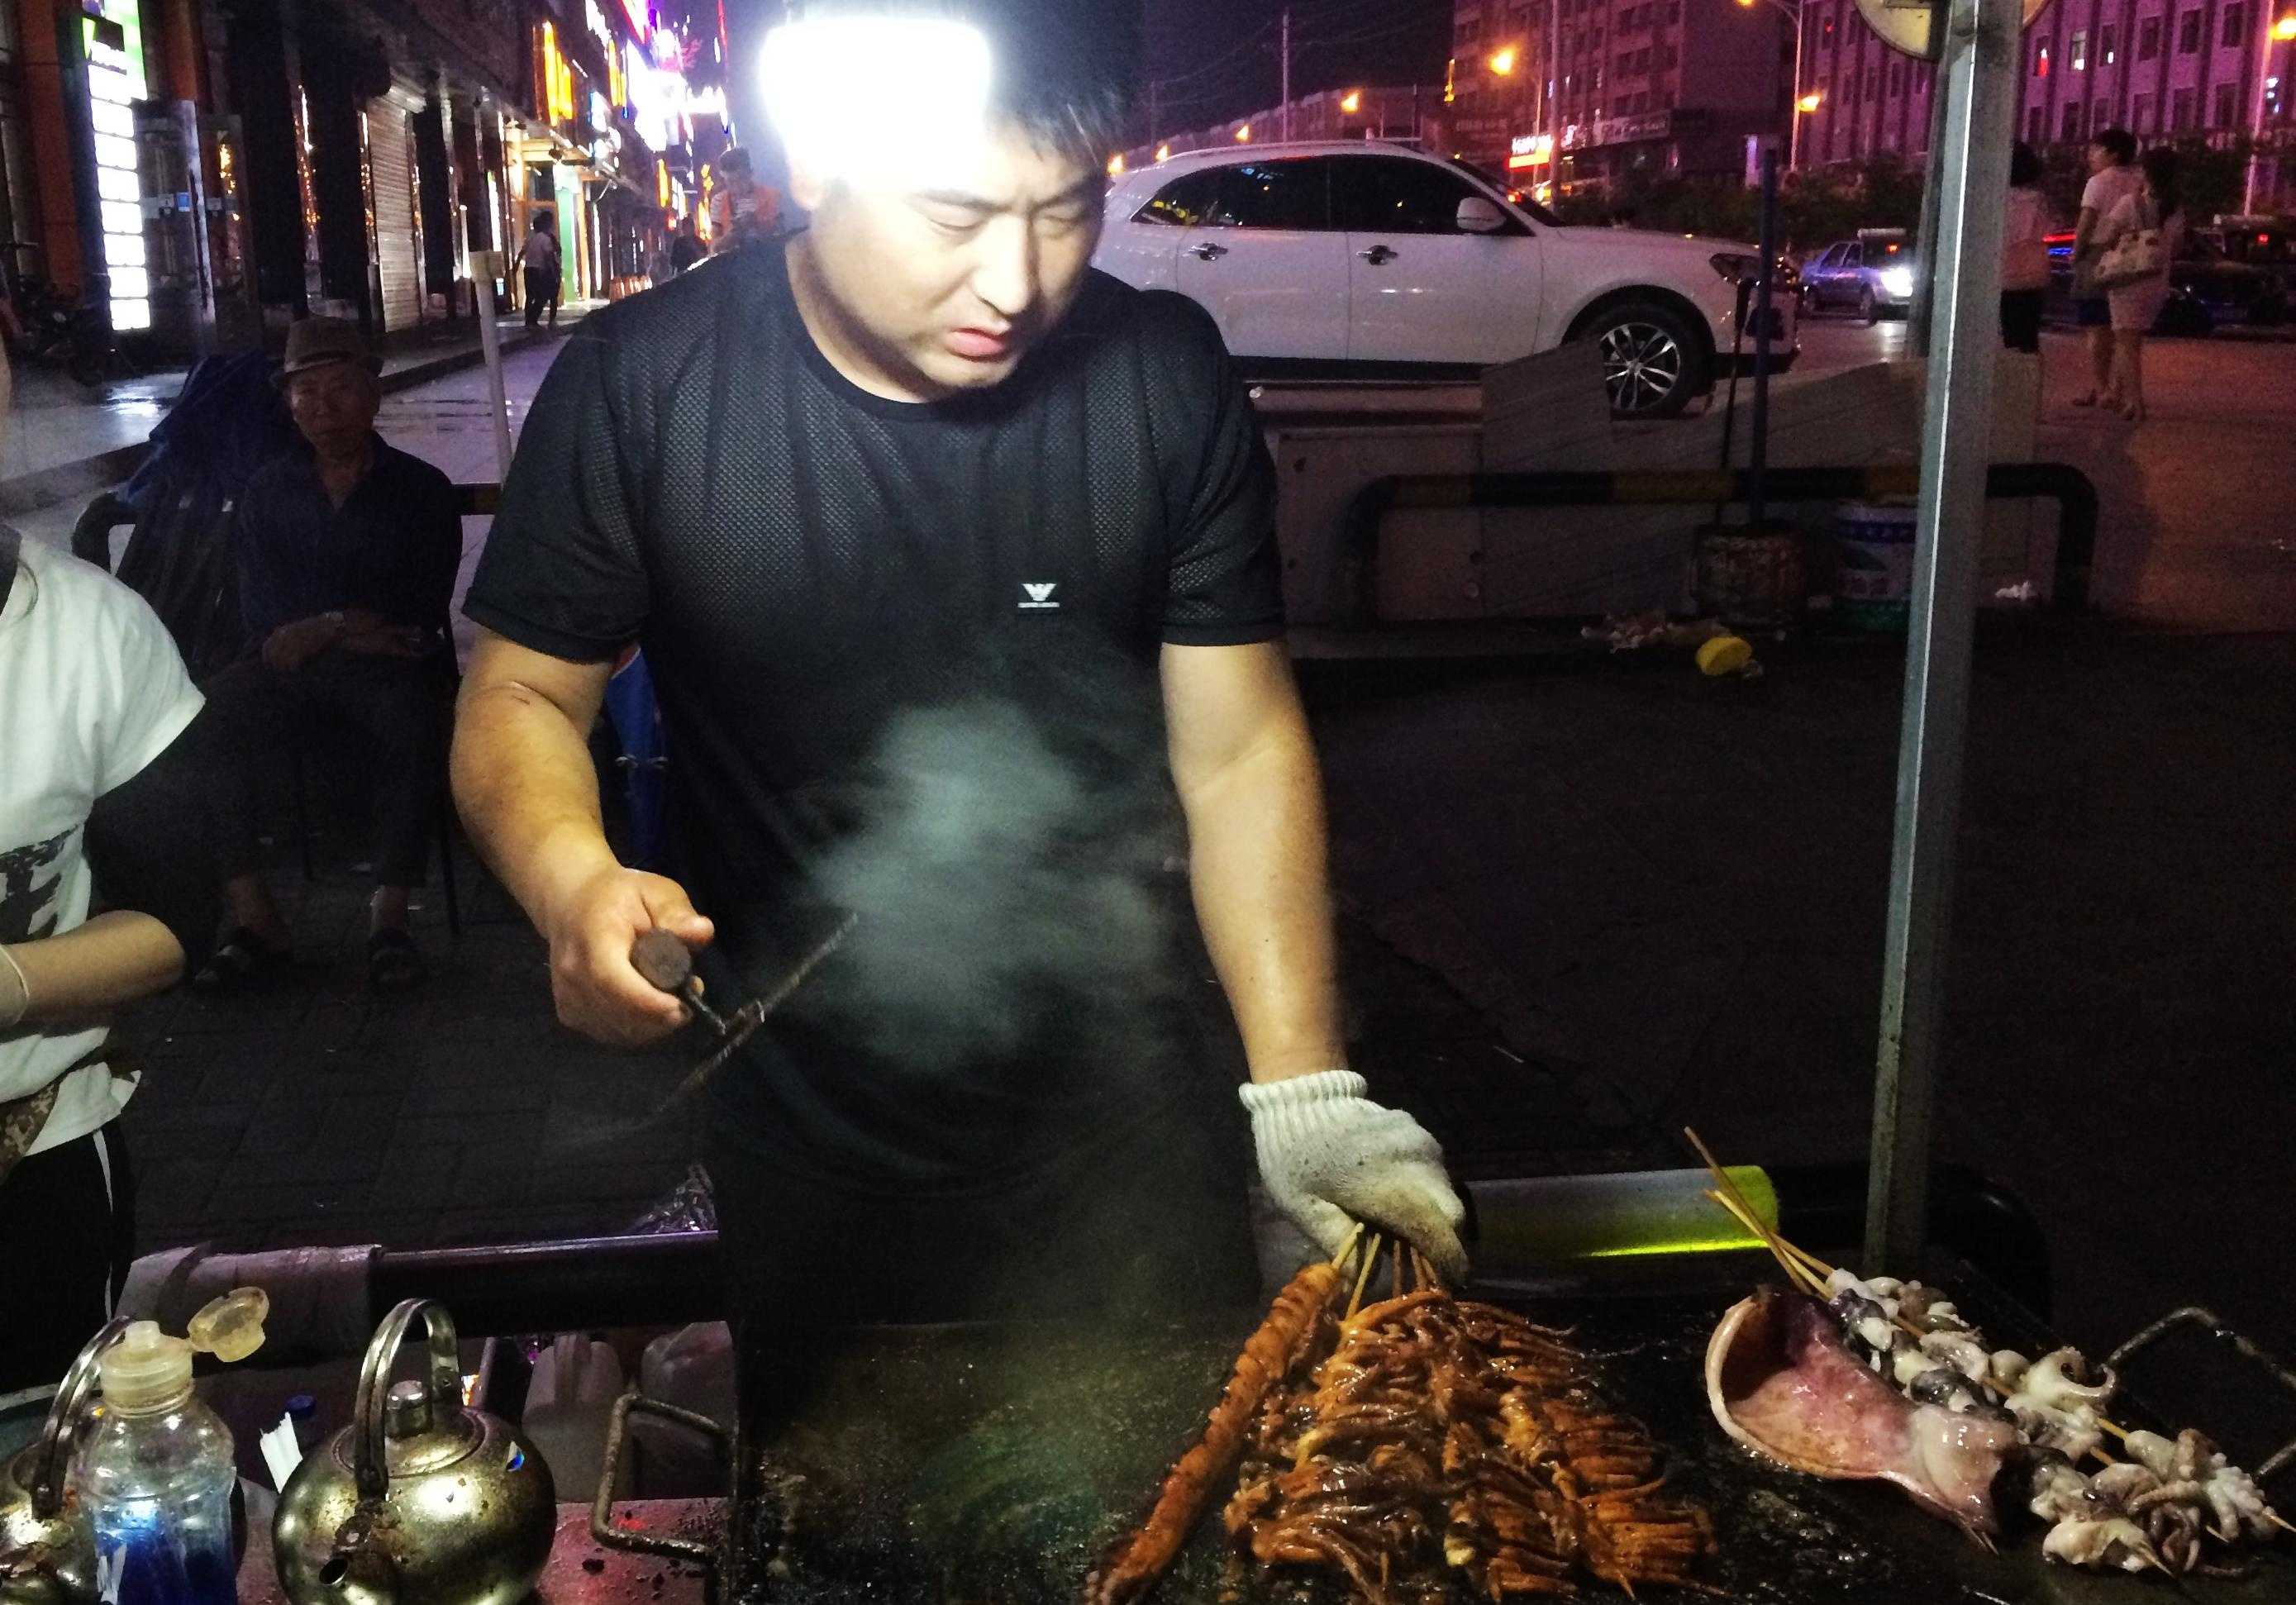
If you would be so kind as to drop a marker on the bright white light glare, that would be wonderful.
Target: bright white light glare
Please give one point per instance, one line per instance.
(131, 314)
(113, 151)
(124, 251)
(879, 99)
(132, 282)
(1897, 281)
(110, 116)
(116, 183)
(122, 218)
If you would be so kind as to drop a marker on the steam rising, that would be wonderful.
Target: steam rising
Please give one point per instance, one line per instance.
(1011, 875)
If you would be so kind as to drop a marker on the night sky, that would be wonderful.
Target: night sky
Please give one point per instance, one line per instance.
(1334, 42)
(1204, 50)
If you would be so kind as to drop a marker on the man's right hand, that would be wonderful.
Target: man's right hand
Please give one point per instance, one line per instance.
(287, 648)
(590, 931)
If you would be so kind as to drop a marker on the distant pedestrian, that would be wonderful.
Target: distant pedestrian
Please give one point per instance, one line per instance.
(544, 262)
(2156, 207)
(743, 210)
(2024, 253)
(2113, 178)
(687, 248)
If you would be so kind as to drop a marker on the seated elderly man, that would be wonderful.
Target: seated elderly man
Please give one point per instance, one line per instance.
(347, 554)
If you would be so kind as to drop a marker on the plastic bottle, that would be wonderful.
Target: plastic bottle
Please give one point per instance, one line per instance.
(154, 1475)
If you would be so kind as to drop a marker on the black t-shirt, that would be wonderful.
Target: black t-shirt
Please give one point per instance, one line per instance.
(906, 657)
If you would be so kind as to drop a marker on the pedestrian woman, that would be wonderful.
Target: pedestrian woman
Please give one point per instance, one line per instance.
(2112, 179)
(93, 709)
(2155, 205)
(2024, 253)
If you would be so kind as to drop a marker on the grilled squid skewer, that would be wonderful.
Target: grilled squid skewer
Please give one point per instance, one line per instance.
(1279, 1345)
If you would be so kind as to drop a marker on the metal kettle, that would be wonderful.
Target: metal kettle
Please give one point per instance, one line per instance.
(47, 1557)
(421, 1500)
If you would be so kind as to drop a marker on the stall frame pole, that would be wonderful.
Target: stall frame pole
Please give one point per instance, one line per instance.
(1977, 73)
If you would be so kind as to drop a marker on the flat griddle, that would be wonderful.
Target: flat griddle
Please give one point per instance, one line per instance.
(993, 1465)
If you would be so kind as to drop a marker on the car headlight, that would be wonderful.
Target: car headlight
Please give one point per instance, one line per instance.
(1735, 266)
(1897, 282)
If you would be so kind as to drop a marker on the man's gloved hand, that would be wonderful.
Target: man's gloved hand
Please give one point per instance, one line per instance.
(1330, 1157)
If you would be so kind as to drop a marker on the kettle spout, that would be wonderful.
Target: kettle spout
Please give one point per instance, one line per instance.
(360, 1566)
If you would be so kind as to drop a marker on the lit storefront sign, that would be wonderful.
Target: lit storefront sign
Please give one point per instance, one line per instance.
(113, 40)
(1529, 151)
(557, 78)
(662, 182)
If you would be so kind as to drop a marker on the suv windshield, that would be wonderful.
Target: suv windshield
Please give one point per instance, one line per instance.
(1521, 200)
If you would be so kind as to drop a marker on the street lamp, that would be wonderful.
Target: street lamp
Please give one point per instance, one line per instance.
(2285, 30)
(1116, 165)
(1804, 103)
(1351, 102)
(1164, 152)
(1502, 61)
(1243, 133)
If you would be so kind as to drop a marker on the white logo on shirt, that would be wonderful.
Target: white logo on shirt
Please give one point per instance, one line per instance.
(1038, 596)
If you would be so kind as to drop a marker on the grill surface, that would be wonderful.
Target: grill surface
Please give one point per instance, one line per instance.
(995, 1464)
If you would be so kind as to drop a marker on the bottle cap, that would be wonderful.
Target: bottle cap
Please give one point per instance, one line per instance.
(231, 1327)
(145, 1369)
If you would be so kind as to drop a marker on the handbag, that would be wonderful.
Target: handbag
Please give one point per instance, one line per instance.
(2138, 256)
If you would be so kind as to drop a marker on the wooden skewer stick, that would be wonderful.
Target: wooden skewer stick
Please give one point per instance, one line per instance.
(1796, 1273)
(1741, 1206)
(1802, 1267)
(1398, 1267)
(1363, 1277)
(1425, 1268)
(1348, 1247)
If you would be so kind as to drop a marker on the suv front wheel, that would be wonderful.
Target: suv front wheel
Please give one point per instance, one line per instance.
(1652, 360)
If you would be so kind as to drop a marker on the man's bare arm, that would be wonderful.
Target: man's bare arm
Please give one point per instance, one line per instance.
(528, 796)
(1247, 776)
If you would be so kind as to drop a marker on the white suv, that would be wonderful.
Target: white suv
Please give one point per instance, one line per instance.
(1357, 259)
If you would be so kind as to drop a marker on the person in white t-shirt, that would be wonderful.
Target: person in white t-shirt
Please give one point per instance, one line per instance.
(2024, 252)
(2112, 179)
(94, 707)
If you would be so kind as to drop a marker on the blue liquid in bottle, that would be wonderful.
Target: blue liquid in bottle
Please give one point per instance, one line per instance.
(154, 1477)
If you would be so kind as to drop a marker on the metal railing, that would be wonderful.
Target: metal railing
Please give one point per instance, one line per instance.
(1360, 535)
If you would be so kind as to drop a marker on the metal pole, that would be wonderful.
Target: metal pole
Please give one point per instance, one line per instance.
(1793, 129)
(1758, 456)
(1925, 252)
(1977, 78)
(482, 298)
(1555, 106)
(2266, 20)
(1285, 49)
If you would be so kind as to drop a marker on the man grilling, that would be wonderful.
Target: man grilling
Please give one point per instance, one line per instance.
(916, 492)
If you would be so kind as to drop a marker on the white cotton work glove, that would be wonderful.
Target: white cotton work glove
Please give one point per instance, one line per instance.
(16, 991)
(1330, 1158)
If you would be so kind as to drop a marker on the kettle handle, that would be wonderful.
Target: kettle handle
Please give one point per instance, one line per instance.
(369, 1464)
(55, 1434)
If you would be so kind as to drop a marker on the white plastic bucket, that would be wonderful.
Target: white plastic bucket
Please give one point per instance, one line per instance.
(1876, 576)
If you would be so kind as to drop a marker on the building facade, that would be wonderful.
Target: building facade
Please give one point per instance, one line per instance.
(1638, 87)
(2164, 70)
(206, 171)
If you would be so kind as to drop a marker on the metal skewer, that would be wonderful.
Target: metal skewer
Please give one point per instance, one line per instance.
(667, 963)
